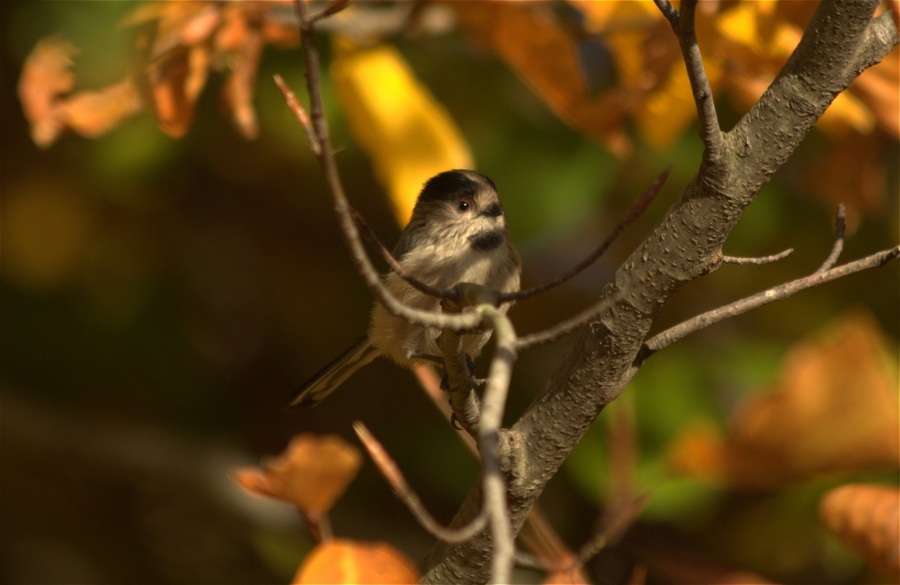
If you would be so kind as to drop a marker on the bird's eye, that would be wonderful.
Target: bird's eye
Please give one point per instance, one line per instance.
(463, 205)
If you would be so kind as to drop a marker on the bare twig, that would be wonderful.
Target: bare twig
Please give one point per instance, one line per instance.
(777, 293)
(635, 211)
(395, 265)
(493, 482)
(757, 260)
(401, 488)
(683, 24)
(299, 114)
(840, 228)
(551, 334)
(612, 528)
(333, 7)
(342, 208)
(668, 11)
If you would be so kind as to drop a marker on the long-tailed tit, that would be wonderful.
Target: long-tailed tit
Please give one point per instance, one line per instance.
(457, 233)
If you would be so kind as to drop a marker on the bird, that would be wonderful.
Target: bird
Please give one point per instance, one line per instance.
(457, 233)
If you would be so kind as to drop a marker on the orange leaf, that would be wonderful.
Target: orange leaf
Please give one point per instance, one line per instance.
(175, 84)
(347, 561)
(238, 90)
(45, 76)
(834, 408)
(311, 474)
(545, 55)
(96, 112)
(867, 519)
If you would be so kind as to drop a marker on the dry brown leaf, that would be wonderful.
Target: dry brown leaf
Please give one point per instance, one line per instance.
(867, 519)
(238, 91)
(46, 75)
(311, 474)
(834, 408)
(543, 53)
(93, 113)
(175, 84)
(347, 561)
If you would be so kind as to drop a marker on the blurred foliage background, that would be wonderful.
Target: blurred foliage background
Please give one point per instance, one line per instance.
(162, 299)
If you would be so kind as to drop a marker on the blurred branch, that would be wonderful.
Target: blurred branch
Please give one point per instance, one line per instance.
(401, 488)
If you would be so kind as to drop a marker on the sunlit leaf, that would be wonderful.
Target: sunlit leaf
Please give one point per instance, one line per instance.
(312, 473)
(867, 519)
(833, 408)
(45, 76)
(94, 113)
(347, 561)
(407, 133)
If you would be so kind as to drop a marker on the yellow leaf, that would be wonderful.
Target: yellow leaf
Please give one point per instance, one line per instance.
(408, 135)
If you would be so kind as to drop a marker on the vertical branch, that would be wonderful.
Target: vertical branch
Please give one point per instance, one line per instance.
(494, 484)
(683, 24)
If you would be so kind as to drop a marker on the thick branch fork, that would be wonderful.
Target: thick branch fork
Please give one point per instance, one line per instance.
(841, 40)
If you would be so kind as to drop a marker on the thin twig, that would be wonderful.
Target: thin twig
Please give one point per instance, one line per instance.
(840, 229)
(493, 482)
(395, 265)
(777, 293)
(683, 24)
(349, 230)
(757, 260)
(668, 11)
(333, 7)
(635, 211)
(569, 325)
(299, 114)
(615, 525)
(404, 492)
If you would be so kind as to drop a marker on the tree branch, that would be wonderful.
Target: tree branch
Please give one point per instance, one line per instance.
(405, 494)
(776, 293)
(840, 41)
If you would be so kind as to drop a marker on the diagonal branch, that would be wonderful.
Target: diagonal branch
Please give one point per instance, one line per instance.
(635, 211)
(777, 293)
(401, 488)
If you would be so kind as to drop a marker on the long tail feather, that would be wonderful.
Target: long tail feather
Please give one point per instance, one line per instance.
(335, 373)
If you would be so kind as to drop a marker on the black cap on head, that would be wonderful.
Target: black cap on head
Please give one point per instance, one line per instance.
(451, 184)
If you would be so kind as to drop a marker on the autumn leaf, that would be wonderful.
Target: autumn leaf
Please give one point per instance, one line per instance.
(546, 56)
(347, 561)
(46, 75)
(311, 474)
(406, 132)
(833, 408)
(867, 519)
(93, 113)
